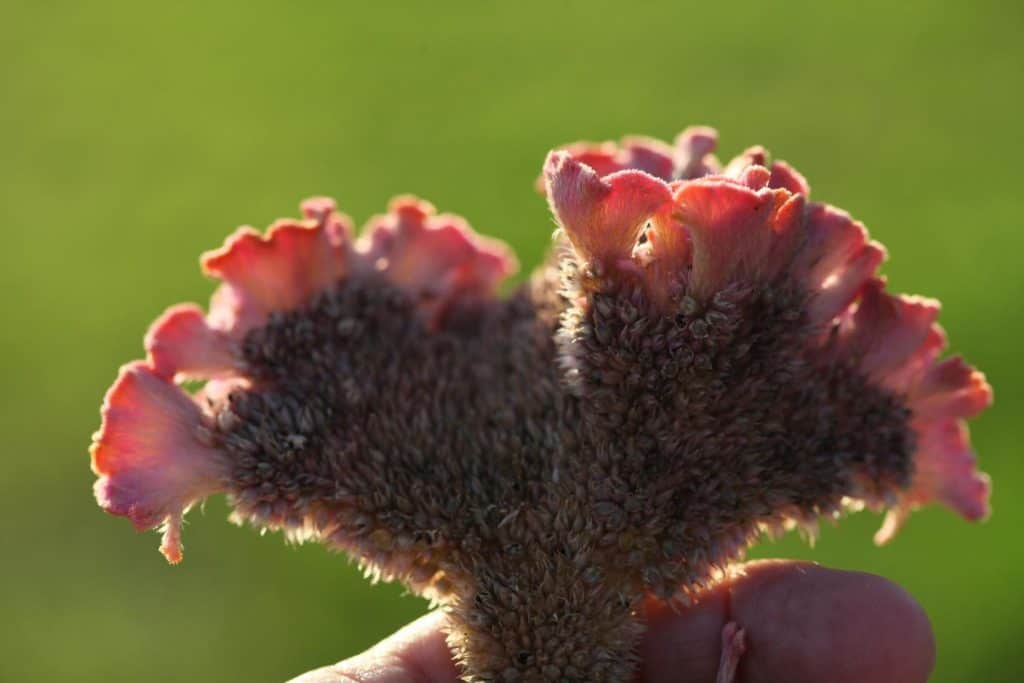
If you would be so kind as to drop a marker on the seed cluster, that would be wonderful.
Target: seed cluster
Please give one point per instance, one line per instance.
(540, 463)
(712, 424)
(405, 446)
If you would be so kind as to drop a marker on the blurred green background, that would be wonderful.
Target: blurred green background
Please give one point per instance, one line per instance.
(135, 135)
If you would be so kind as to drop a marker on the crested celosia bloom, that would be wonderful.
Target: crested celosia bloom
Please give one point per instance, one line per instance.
(707, 356)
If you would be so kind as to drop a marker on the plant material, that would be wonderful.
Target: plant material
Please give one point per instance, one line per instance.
(707, 356)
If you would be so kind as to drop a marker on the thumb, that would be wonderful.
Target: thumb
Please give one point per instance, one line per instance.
(415, 654)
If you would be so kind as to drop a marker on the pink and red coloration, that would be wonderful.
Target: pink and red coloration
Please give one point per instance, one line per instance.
(709, 357)
(151, 456)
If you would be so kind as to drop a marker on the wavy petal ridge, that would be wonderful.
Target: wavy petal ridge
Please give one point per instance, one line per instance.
(150, 456)
(602, 217)
(437, 259)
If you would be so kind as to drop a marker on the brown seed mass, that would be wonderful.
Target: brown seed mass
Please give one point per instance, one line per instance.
(540, 473)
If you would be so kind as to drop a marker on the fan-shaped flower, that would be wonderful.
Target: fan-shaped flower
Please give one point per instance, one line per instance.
(710, 356)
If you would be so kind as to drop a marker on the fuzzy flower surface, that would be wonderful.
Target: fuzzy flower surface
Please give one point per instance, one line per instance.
(707, 356)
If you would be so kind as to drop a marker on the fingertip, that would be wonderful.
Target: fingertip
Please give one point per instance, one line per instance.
(422, 650)
(683, 645)
(811, 623)
(418, 653)
(802, 623)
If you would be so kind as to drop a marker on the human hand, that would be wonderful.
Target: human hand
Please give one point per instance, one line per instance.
(803, 623)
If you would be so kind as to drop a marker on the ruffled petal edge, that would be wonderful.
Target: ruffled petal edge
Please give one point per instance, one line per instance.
(153, 454)
(895, 340)
(437, 259)
(602, 217)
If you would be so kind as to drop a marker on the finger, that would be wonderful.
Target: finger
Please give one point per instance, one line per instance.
(415, 654)
(802, 622)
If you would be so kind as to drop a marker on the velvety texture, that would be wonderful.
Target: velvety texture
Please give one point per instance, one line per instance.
(707, 356)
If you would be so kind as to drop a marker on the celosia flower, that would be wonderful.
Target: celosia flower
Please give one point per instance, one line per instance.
(709, 357)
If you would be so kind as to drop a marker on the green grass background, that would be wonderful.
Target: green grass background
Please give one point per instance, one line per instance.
(135, 135)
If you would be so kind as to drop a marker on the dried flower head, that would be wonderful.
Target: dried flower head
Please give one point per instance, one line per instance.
(707, 356)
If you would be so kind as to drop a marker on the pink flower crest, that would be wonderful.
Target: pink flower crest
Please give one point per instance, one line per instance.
(707, 356)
